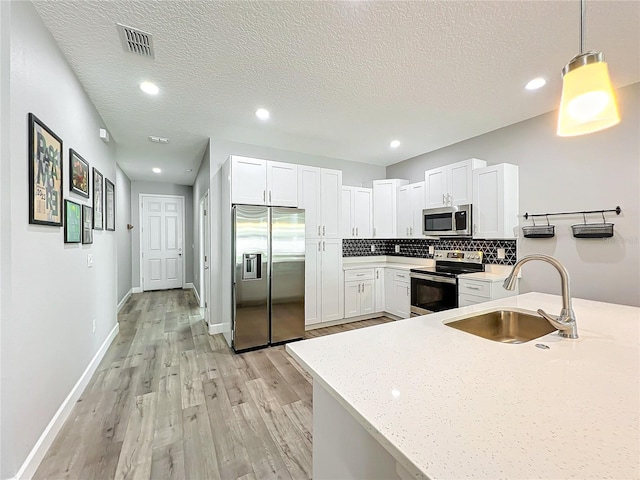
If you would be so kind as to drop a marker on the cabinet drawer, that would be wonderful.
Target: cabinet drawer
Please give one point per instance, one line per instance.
(359, 274)
(401, 276)
(474, 287)
(465, 300)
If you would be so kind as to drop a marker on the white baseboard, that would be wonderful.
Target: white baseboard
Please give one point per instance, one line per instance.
(191, 286)
(136, 290)
(43, 444)
(187, 286)
(215, 328)
(124, 299)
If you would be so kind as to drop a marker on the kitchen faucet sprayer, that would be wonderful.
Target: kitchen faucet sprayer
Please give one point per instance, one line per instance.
(566, 322)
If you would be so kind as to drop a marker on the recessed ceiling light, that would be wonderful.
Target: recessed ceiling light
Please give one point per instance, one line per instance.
(149, 87)
(262, 114)
(536, 83)
(394, 143)
(156, 170)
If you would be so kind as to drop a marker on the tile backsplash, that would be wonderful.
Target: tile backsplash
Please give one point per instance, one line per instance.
(419, 247)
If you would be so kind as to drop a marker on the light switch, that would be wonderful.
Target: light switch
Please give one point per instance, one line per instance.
(432, 249)
(501, 253)
(89, 260)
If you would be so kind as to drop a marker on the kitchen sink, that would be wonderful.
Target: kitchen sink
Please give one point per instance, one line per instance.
(505, 326)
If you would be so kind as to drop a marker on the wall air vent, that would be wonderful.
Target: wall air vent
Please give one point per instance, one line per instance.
(155, 139)
(136, 41)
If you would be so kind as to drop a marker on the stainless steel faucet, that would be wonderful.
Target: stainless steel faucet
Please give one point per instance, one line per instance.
(566, 322)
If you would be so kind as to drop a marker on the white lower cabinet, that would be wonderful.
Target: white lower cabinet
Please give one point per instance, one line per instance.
(397, 290)
(359, 292)
(379, 290)
(324, 291)
(474, 291)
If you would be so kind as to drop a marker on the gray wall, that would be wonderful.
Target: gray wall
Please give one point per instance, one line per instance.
(597, 171)
(161, 189)
(51, 297)
(123, 217)
(200, 187)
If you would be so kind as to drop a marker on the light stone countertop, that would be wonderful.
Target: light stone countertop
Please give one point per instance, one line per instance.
(397, 266)
(485, 276)
(474, 408)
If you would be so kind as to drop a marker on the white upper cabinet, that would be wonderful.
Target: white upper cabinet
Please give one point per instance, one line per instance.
(495, 201)
(385, 203)
(282, 183)
(410, 205)
(309, 199)
(262, 182)
(320, 194)
(357, 212)
(330, 202)
(248, 181)
(452, 184)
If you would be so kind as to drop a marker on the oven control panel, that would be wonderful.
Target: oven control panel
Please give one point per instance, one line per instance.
(458, 256)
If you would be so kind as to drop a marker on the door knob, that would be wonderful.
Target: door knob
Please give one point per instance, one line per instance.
(206, 268)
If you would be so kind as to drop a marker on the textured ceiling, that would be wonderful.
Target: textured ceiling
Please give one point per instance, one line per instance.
(341, 79)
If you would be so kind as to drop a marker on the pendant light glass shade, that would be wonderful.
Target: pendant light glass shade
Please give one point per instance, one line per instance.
(588, 103)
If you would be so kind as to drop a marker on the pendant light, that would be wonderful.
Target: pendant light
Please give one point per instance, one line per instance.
(588, 103)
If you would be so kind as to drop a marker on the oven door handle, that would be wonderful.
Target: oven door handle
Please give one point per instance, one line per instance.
(434, 278)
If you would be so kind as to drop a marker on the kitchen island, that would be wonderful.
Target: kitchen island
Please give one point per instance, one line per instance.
(418, 399)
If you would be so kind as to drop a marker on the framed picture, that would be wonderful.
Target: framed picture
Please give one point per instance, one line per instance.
(45, 174)
(110, 201)
(72, 221)
(87, 224)
(98, 201)
(79, 174)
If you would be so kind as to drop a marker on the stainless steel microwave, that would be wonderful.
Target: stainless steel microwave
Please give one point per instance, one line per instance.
(447, 221)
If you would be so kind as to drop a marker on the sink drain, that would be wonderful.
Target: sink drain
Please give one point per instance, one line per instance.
(542, 346)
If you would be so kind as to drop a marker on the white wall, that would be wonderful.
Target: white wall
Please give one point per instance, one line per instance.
(157, 188)
(597, 171)
(200, 187)
(124, 236)
(47, 339)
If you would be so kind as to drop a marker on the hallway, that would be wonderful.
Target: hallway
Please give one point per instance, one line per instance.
(170, 401)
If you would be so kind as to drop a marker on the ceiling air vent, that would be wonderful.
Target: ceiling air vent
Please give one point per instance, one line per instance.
(136, 41)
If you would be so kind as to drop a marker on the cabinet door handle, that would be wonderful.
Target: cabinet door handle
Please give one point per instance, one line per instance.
(318, 245)
(359, 274)
(356, 231)
(323, 246)
(358, 288)
(444, 202)
(269, 196)
(407, 291)
(411, 231)
(319, 230)
(470, 287)
(353, 231)
(363, 288)
(374, 231)
(377, 275)
(264, 195)
(324, 230)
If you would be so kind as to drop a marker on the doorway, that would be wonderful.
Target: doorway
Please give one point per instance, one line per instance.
(162, 242)
(205, 257)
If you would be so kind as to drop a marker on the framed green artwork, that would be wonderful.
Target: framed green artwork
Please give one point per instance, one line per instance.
(72, 222)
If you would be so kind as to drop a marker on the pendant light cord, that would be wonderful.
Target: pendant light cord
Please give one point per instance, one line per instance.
(582, 21)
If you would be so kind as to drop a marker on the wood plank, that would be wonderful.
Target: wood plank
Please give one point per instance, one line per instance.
(136, 453)
(295, 448)
(200, 459)
(191, 384)
(168, 427)
(167, 462)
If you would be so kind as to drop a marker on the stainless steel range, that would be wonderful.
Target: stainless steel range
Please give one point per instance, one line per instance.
(434, 289)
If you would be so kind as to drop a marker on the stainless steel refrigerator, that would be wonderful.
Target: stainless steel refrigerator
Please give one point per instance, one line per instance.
(268, 283)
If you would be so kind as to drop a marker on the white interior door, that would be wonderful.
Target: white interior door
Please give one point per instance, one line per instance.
(162, 242)
(205, 238)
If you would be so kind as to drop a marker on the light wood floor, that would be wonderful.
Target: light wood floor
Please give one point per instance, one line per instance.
(170, 401)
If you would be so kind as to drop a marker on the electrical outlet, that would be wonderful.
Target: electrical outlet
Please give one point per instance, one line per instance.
(94, 325)
(397, 249)
(432, 250)
(373, 248)
(501, 253)
(89, 260)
